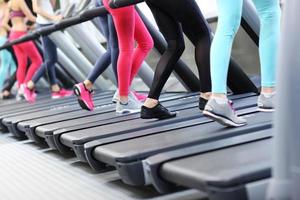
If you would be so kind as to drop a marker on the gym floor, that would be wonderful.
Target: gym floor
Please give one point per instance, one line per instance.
(34, 172)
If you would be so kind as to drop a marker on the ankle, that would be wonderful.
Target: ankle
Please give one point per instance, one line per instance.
(267, 90)
(88, 84)
(55, 88)
(30, 85)
(218, 96)
(123, 99)
(151, 103)
(205, 95)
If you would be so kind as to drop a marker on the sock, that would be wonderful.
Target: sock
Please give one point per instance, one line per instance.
(221, 100)
(268, 95)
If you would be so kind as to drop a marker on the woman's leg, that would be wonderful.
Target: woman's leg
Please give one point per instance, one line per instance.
(22, 65)
(104, 61)
(50, 59)
(124, 19)
(218, 107)
(35, 58)
(5, 62)
(144, 45)
(172, 32)
(269, 14)
(228, 23)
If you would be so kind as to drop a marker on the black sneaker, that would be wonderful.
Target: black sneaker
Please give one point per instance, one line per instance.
(157, 112)
(202, 103)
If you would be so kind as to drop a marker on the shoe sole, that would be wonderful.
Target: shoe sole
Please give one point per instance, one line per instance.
(159, 118)
(82, 103)
(127, 111)
(222, 120)
(266, 110)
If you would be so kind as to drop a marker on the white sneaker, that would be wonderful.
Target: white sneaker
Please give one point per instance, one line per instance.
(132, 106)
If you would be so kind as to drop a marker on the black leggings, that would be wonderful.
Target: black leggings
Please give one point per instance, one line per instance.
(174, 17)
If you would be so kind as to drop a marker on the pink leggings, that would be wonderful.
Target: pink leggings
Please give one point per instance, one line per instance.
(129, 27)
(24, 51)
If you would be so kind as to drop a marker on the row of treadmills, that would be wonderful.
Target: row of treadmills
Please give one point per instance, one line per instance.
(187, 151)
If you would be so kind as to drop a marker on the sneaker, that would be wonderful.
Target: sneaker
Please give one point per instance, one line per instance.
(132, 106)
(202, 103)
(265, 102)
(85, 97)
(20, 93)
(138, 96)
(61, 93)
(223, 113)
(157, 112)
(115, 98)
(5, 97)
(29, 94)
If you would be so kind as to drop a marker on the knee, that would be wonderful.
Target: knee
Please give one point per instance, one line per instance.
(177, 47)
(229, 24)
(147, 45)
(269, 15)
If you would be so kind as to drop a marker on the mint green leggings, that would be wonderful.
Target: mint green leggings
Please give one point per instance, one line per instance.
(230, 12)
(7, 63)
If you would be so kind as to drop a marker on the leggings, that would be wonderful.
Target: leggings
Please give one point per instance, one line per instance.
(129, 27)
(7, 63)
(229, 20)
(24, 51)
(50, 58)
(111, 55)
(174, 17)
(10, 83)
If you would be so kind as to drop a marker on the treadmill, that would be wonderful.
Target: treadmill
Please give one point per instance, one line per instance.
(128, 154)
(11, 120)
(37, 129)
(232, 168)
(106, 124)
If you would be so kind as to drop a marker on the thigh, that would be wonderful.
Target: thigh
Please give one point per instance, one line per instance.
(20, 55)
(141, 33)
(29, 49)
(49, 48)
(266, 5)
(167, 25)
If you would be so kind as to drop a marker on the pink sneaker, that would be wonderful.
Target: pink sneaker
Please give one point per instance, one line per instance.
(61, 93)
(140, 97)
(85, 98)
(29, 95)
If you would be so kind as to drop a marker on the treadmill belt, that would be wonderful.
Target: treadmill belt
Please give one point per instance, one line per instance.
(227, 167)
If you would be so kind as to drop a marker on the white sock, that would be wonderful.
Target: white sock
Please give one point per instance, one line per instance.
(268, 95)
(220, 100)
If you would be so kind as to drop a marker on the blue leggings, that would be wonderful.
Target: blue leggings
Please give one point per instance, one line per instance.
(7, 63)
(112, 52)
(50, 58)
(230, 12)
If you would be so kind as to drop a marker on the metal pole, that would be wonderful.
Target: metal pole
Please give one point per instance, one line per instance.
(286, 161)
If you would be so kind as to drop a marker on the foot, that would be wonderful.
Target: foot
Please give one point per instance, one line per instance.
(265, 102)
(61, 93)
(202, 103)
(157, 112)
(131, 106)
(85, 97)
(20, 94)
(140, 97)
(29, 94)
(115, 98)
(132, 94)
(6, 95)
(222, 112)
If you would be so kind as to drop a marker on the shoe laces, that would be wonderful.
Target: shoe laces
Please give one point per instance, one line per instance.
(163, 108)
(230, 103)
